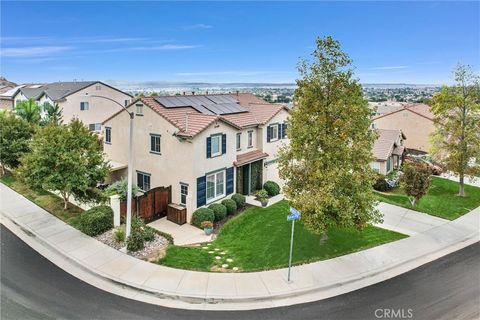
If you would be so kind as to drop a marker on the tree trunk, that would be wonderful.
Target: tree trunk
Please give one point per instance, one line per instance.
(65, 201)
(3, 170)
(461, 187)
(324, 238)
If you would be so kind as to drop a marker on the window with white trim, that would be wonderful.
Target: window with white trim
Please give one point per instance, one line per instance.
(250, 138)
(155, 143)
(139, 109)
(216, 145)
(274, 132)
(95, 126)
(183, 193)
(239, 141)
(143, 181)
(215, 185)
(84, 106)
(108, 135)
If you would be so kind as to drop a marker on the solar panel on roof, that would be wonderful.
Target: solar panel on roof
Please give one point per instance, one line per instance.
(225, 108)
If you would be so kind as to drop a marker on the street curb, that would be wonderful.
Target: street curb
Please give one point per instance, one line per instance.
(244, 303)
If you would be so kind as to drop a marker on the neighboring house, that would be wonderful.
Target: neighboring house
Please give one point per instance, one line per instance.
(7, 88)
(90, 101)
(388, 151)
(205, 146)
(414, 120)
(6, 97)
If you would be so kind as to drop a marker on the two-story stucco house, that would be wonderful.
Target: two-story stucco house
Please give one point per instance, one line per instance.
(414, 120)
(205, 147)
(90, 101)
(388, 151)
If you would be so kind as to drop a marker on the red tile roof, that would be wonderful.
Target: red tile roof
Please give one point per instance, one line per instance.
(191, 122)
(250, 156)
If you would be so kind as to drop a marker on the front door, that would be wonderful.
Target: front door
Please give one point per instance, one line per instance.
(249, 177)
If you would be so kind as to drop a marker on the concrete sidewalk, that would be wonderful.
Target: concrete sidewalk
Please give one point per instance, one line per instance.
(116, 272)
(407, 221)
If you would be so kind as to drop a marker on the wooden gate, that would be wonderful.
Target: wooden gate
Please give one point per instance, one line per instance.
(151, 205)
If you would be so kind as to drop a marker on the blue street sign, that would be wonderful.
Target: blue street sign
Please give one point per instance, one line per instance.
(295, 214)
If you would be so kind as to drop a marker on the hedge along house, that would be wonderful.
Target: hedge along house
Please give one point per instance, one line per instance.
(205, 146)
(388, 151)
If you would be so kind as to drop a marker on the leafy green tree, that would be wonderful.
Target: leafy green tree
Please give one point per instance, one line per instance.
(15, 135)
(326, 165)
(416, 181)
(29, 111)
(53, 114)
(67, 158)
(456, 139)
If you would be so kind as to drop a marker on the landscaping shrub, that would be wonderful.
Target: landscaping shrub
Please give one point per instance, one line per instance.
(96, 221)
(135, 241)
(231, 205)
(149, 233)
(119, 234)
(202, 214)
(239, 200)
(272, 188)
(219, 210)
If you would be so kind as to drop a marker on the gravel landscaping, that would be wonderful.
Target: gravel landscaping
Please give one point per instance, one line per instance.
(152, 250)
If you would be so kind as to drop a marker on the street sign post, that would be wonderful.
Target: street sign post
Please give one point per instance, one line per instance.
(294, 215)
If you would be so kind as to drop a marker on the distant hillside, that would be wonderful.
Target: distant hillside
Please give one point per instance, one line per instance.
(5, 83)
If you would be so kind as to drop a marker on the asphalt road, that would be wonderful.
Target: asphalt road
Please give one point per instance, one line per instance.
(34, 288)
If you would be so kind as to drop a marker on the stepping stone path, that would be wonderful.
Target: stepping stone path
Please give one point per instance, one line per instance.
(229, 260)
(210, 252)
(218, 258)
(224, 266)
(235, 269)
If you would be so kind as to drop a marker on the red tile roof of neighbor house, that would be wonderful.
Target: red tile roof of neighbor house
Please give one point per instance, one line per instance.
(420, 109)
(190, 121)
(250, 156)
(386, 145)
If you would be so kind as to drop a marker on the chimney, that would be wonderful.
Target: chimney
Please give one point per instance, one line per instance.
(193, 93)
(183, 92)
(237, 92)
(206, 92)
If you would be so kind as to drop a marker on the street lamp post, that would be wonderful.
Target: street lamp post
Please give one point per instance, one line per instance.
(130, 165)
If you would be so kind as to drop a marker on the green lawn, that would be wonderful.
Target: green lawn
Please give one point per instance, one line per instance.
(259, 239)
(44, 199)
(441, 201)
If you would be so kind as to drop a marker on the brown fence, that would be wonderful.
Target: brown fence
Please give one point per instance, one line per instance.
(151, 205)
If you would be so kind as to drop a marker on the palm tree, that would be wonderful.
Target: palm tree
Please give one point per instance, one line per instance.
(53, 114)
(29, 111)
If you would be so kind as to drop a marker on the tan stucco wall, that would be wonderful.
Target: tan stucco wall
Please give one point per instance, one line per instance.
(270, 169)
(416, 128)
(172, 166)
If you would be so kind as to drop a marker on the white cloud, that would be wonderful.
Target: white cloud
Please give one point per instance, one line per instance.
(198, 26)
(26, 52)
(389, 68)
(164, 47)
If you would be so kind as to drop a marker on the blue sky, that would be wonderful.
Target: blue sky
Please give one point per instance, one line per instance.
(389, 42)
